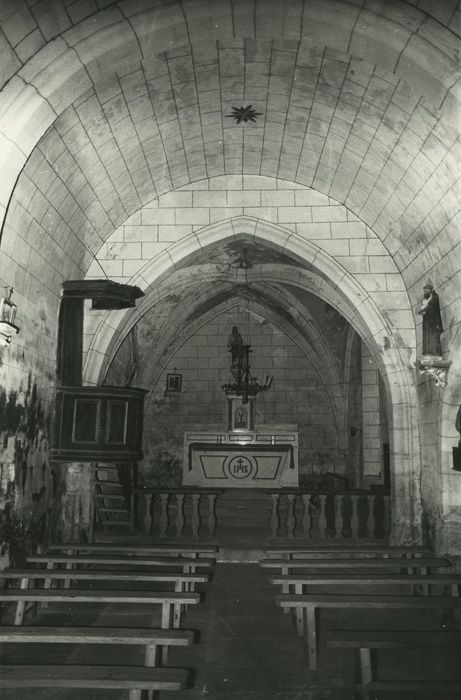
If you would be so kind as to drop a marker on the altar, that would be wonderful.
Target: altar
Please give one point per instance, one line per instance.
(241, 456)
(264, 458)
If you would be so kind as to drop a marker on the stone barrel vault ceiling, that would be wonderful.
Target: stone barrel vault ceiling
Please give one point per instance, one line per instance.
(356, 101)
(361, 119)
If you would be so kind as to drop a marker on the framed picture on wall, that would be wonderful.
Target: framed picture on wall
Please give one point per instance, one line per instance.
(174, 382)
(240, 414)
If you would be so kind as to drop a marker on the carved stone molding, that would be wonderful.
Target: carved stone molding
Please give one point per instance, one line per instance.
(435, 367)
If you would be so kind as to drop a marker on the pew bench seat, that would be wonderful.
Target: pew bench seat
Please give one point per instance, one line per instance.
(366, 641)
(167, 599)
(135, 679)
(299, 582)
(125, 548)
(392, 639)
(289, 566)
(150, 638)
(418, 564)
(180, 580)
(301, 550)
(306, 607)
(187, 564)
(434, 690)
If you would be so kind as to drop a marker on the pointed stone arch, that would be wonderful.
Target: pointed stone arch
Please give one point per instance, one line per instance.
(324, 369)
(342, 291)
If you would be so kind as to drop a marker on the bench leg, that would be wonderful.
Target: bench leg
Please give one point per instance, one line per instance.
(285, 587)
(69, 567)
(21, 604)
(166, 624)
(151, 661)
(166, 616)
(299, 612)
(367, 672)
(47, 583)
(135, 694)
(177, 615)
(311, 615)
(192, 568)
(151, 655)
(366, 666)
(177, 608)
(190, 585)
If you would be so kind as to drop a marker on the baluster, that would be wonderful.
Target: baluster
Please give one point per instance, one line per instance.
(164, 497)
(195, 515)
(355, 517)
(371, 517)
(339, 523)
(307, 520)
(179, 514)
(211, 514)
(148, 505)
(291, 516)
(322, 516)
(275, 523)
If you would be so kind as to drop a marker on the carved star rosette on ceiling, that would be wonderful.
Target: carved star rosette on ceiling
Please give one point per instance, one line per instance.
(244, 114)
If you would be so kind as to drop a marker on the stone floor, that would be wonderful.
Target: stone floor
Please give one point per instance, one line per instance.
(247, 648)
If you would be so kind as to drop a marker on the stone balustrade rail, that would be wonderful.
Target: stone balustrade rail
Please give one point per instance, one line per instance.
(175, 512)
(336, 515)
(292, 514)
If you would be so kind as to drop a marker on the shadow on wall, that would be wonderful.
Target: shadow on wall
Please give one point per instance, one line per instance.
(162, 470)
(162, 465)
(27, 484)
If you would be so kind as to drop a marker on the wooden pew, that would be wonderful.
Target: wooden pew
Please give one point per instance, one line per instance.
(434, 690)
(150, 638)
(182, 582)
(312, 603)
(367, 641)
(70, 596)
(186, 564)
(421, 564)
(135, 679)
(127, 549)
(301, 550)
(26, 576)
(299, 581)
(418, 564)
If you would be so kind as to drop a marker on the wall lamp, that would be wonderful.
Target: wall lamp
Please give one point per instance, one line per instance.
(7, 317)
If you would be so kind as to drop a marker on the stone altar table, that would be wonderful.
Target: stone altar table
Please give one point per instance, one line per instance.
(266, 458)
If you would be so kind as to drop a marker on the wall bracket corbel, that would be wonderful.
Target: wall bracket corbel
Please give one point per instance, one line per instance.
(435, 368)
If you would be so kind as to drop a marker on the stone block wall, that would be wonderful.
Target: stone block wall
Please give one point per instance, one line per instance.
(297, 394)
(388, 151)
(36, 502)
(302, 210)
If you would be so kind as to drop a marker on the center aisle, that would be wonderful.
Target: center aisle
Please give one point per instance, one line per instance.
(248, 649)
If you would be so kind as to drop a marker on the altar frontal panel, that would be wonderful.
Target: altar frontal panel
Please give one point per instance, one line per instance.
(247, 465)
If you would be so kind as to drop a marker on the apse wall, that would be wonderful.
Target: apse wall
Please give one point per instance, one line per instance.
(297, 396)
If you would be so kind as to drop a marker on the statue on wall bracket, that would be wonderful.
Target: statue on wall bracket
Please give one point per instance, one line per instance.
(432, 363)
(432, 322)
